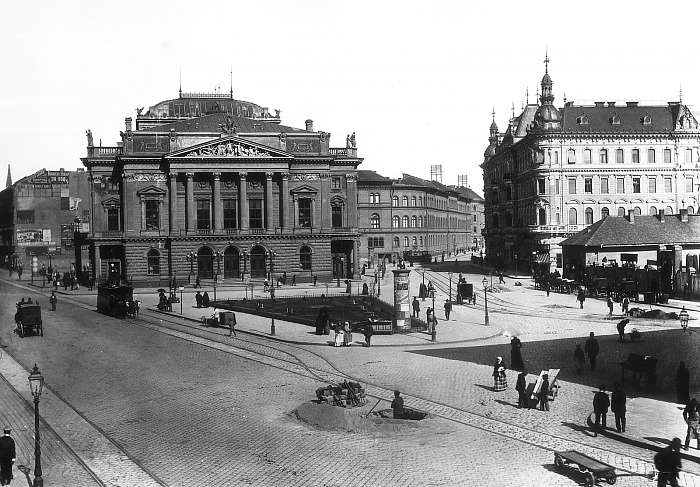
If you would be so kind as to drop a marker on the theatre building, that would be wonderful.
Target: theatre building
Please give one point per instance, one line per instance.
(210, 186)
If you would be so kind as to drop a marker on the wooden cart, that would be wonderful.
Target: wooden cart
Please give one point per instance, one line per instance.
(28, 319)
(590, 467)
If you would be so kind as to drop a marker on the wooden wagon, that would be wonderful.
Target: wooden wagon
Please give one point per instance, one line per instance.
(28, 319)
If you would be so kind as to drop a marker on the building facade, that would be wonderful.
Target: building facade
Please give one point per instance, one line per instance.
(212, 187)
(39, 217)
(410, 214)
(557, 170)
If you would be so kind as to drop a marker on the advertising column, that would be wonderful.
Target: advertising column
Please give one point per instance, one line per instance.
(402, 303)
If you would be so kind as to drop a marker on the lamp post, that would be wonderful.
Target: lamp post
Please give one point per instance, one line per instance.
(36, 384)
(271, 255)
(486, 303)
(449, 274)
(684, 317)
(191, 257)
(245, 264)
(219, 255)
(432, 327)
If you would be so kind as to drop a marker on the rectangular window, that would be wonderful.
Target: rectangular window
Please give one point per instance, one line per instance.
(651, 156)
(230, 216)
(203, 222)
(113, 219)
(336, 216)
(619, 156)
(667, 156)
(668, 185)
(620, 185)
(25, 216)
(587, 156)
(336, 183)
(588, 185)
(571, 156)
(636, 185)
(65, 202)
(603, 156)
(540, 186)
(556, 186)
(572, 186)
(604, 186)
(689, 155)
(688, 185)
(652, 185)
(152, 215)
(255, 212)
(635, 155)
(305, 212)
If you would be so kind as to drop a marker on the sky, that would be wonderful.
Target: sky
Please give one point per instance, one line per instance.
(417, 81)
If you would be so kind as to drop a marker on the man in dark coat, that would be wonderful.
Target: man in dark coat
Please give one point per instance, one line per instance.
(516, 357)
(618, 405)
(601, 403)
(621, 329)
(668, 463)
(397, 405)
(448, 309)
(198, 299)
(368, 332)
(205, 300)
(7, 457)
(592, 349)
(521, 386)
(544, 393)
(416, 307)
(581, 297)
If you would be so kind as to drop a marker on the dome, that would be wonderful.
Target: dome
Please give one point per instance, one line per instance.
(546, 79)
(547, 113)
(490, 151)
(494, 127)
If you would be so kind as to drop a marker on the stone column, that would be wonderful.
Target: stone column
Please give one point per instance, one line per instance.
(218, 204)
(268, 202)
(125, 203)
(284, 198)
(352, 200)
(191, 212)
(243, 200)
(172, 193)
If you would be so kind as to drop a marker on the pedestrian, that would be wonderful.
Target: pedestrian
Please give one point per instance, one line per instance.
(546, 287)
(137, 308)
(691, 415)
(592, 348)
(397, 405)
(8, 456)
(416, 307)
(626, 305)
(294, 279)
(601, 403)
(516, 357)
(266, 285)
(53, 300)
(682, 384)
(198, 299)
(19, 271)
(618, 405)
(429, 318)
(521, 387)
(232, 324)
(205, 300)
(581, 297)
(621, 329)
(500, 278)
(347, 334)
(368, 332)
(668, 463)
(500, 383)
(448, 309)
(610, 306)
(544, 393)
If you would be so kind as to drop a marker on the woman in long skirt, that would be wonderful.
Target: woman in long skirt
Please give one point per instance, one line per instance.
(500, 383)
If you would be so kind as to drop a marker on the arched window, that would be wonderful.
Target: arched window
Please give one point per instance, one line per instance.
(603, 156)
(669, 211)
(394, 201)
(413, 201)
(153, 262)
(589, 216)
(420, 201)
(653, 210)
(305, 258)
(415, 242)
(637, 211)
(420, 222)
(396, 242)
(404, 201)
(691, 210)
(395, 221)
(405, 241)
(414, 221)
(604, 212)
(572, 216)
(620, 211)
(404, 221)
(542, 216)
(374, 221)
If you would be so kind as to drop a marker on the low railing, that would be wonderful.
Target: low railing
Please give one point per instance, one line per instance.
(556, 228)
(108, 234)
(104, 151)
(343, 151)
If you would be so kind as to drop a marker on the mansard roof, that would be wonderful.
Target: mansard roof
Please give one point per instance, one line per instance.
(213, 122)
(367, 176)
(630, 118)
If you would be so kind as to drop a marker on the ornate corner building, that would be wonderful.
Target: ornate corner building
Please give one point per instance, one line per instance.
(556, 171)
(209, 186)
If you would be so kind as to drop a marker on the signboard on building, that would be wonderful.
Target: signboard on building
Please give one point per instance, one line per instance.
(33, 238)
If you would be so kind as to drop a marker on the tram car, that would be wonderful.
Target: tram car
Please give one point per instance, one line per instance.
(28, 319)
(114, 300)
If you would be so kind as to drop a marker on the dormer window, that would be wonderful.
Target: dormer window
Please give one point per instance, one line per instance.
(582, 120)
(646, 120)
(615, 120)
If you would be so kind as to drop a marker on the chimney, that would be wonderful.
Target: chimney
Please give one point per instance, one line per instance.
(684, 215)
(631, 216)
(309, 125)
(599, 103)
(662, 218)
(632, 103)
(611, 103)
(127, 124)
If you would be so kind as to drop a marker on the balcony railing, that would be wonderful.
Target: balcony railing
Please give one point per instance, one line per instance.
(556, 228)
(109, 234)
(104, 151)
(343, 151)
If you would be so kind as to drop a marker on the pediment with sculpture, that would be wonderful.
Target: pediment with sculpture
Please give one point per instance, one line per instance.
(230, 148)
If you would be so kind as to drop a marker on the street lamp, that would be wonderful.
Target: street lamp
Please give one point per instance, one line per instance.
(449, 274)
(36, 384)
(191, 257)
(683, 316)
(271, 255)
(486, 303)
(219, 255)
(433, 330)
(245, 264)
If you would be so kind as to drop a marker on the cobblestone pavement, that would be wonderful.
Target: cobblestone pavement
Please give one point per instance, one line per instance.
(460, 393)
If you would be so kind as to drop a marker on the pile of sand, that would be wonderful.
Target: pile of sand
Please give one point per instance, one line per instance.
(655, 314)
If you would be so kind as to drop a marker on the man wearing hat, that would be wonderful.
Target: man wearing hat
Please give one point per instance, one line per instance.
(7, 457)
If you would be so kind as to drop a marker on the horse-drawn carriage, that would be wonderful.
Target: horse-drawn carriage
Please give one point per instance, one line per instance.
(28, 319)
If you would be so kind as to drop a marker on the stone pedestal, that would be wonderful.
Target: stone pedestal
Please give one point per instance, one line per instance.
(402, 301)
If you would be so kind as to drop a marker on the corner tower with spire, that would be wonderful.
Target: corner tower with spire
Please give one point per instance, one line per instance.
(547, 116)
(493, 137)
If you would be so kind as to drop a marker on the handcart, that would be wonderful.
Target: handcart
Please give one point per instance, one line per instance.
(590, 467)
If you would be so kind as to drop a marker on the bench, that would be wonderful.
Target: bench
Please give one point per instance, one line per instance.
(533, 388)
